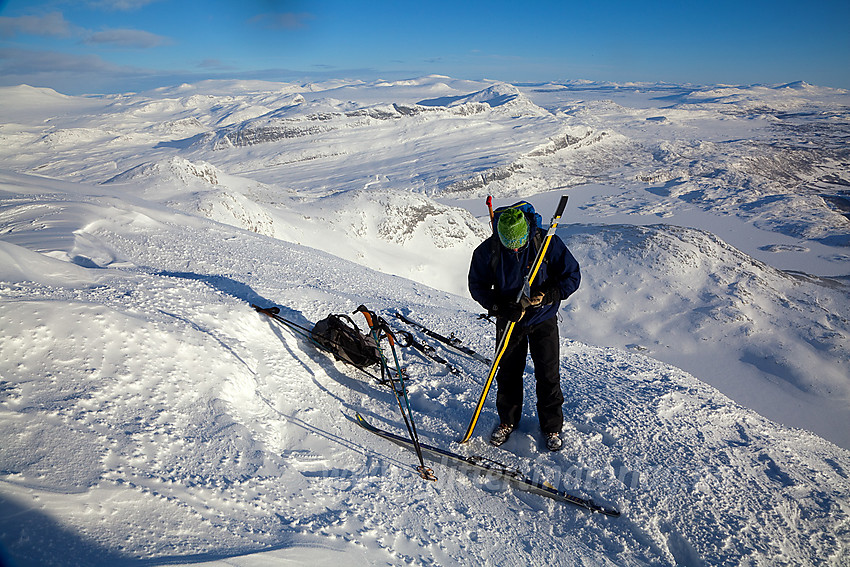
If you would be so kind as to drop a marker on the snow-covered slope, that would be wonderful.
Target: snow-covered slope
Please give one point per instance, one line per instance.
(371, 227)
(771, 340)
(148, 413)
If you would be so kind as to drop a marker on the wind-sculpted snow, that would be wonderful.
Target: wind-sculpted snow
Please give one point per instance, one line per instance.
(412, 236)
(175, 171)
(149, 412)
(366, 226)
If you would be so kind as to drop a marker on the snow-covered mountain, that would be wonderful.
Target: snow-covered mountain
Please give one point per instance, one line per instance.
(148, 413)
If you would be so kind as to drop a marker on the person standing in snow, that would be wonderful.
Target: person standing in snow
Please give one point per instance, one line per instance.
(496, 274)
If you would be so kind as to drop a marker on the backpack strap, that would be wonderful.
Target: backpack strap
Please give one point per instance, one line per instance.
(356, 329)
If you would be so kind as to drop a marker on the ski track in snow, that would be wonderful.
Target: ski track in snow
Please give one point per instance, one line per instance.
(150, 415)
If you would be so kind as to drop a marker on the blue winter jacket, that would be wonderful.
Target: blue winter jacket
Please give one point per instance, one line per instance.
(560, 269)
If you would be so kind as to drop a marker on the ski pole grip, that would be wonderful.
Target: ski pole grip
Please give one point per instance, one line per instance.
(362, 309)
(490, 209)
(561, 206)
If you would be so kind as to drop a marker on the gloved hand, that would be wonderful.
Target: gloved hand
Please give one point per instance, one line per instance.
(510, 310)
(545, 297)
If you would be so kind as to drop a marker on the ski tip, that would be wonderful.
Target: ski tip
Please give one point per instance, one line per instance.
(266, 310)
(361, 421)
(605, 510)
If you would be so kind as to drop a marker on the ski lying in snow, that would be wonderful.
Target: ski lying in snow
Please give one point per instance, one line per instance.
(490, 468)
(452, 343)
(405, 339)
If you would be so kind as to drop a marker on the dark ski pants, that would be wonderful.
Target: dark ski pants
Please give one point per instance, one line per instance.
(542, 341)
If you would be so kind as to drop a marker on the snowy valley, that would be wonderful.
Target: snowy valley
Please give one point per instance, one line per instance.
(150, 416)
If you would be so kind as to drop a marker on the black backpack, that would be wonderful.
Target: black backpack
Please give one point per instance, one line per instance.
(339, 335)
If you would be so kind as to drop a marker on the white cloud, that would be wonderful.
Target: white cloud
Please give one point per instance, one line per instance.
(127, 38)
(122, 5)
(53, 24)
(74, 74)
(21, 62)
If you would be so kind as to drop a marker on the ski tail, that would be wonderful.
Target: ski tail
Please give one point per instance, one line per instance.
(451, 343)
(494, 469)
(405, 339)
(506, 335)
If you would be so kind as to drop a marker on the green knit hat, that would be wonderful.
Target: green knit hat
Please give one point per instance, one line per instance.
(513, 229)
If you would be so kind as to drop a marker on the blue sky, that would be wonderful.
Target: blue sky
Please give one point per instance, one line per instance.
(78, 46)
